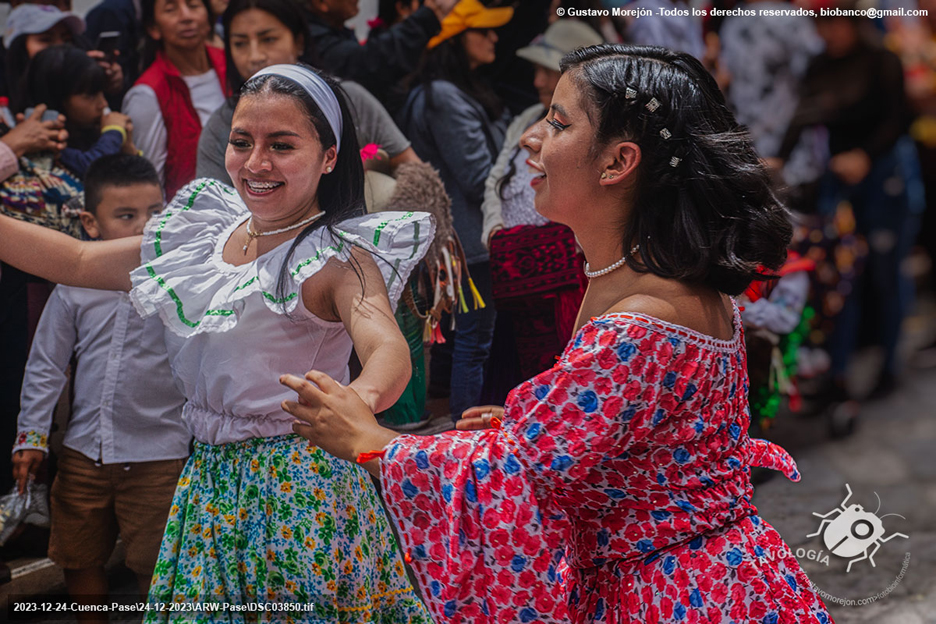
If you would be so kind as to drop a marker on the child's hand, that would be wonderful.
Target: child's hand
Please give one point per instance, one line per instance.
(116, 119)
(26, 464)
(481, 417)
(334, 417)
(129, 147)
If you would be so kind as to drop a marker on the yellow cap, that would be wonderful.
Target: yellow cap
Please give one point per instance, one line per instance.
(470, 14)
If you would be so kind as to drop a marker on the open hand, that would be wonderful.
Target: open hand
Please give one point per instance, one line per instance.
(481, 417)
(334, 418)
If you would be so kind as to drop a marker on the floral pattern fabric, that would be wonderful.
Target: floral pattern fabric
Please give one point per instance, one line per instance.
(276, 520)
(37, 440)
(617, 490)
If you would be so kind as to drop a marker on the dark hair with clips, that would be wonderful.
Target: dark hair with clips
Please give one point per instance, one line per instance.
(704, 210)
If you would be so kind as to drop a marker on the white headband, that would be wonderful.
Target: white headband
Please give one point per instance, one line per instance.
(317, 88)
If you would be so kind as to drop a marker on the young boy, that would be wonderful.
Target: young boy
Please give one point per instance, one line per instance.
(125, 445)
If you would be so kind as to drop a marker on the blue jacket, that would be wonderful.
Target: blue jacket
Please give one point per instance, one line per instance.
(457, 137)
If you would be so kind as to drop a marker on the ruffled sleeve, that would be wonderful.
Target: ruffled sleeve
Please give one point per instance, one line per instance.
(185, 280)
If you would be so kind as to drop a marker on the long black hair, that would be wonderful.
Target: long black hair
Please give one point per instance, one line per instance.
(340, 193)
(288, 12)
(704, 210)
(449, 61)
(150, 45)
(56, 73)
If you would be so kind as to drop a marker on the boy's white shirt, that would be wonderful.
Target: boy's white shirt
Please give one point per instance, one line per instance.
(127, 408)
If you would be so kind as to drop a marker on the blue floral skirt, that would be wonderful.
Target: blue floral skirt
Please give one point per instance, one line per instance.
(276, 530)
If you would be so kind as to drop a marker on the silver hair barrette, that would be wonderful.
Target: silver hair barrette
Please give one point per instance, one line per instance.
(665, 134)
(652, 105)
(630, 93)
(674, 161)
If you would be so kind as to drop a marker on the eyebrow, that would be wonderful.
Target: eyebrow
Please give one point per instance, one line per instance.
(558, 108)
(273, 135)
(259, 34)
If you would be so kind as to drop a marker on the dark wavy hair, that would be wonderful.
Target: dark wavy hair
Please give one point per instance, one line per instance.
(288, 12)
(340, 193)
(713, 218)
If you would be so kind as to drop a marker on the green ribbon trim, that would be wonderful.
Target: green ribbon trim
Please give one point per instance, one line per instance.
(180, 312)
(381, 227)
(178, 302)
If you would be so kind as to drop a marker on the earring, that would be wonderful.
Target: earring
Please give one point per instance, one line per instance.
(604, 176)
(328, 169)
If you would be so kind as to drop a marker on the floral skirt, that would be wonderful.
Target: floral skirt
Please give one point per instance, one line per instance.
(276, 530)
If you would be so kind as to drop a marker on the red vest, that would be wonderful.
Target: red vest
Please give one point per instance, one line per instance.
(183, 126)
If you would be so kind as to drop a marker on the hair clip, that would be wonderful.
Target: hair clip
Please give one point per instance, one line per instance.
(674, 161)
(665, 134)
(652, 105)
(630, 93)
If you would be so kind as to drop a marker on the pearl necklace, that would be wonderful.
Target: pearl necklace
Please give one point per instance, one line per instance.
(252, 235)
(617, 265)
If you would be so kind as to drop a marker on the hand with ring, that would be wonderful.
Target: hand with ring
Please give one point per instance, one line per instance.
(481, 417)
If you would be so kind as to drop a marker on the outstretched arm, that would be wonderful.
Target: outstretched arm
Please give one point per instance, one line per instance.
(62, 259)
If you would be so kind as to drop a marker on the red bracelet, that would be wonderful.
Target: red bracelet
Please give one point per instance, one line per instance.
(363, 458)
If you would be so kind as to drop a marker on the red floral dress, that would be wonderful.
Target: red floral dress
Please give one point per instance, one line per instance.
(617, 490)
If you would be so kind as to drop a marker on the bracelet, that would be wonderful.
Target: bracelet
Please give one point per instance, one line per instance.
(120, 129)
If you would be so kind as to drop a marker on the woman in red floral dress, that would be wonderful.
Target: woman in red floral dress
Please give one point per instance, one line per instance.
(613, 487)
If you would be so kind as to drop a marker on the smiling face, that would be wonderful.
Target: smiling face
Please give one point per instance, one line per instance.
(275, 159)
(571, 173)
(559, 153)
(259, 40)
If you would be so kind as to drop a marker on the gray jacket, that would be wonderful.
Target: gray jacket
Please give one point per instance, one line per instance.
(458, 138)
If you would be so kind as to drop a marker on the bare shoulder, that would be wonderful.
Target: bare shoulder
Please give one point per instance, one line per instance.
(707, 312)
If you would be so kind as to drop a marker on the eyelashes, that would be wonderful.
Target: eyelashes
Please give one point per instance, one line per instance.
(555, 124)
